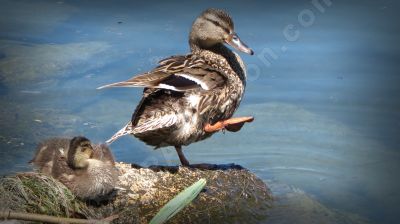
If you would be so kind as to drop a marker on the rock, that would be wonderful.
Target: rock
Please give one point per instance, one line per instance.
(293, 205)
(232, 195)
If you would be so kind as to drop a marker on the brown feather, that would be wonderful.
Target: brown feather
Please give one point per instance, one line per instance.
(186, 92)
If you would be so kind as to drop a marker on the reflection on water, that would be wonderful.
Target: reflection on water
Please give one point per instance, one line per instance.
(326, 132)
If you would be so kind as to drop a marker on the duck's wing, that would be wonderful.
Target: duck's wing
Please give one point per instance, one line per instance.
(178, 73)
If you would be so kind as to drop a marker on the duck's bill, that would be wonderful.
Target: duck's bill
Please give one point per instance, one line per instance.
(235, 42)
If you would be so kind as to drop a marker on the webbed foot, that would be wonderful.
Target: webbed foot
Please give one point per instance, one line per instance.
(231, 124)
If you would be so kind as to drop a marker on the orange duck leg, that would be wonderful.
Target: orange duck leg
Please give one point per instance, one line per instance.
(231, 124)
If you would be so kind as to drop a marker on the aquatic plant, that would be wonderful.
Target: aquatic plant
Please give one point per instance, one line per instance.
(178, 202)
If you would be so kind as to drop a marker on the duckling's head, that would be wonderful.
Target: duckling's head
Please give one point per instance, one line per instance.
(212, 27)
(80, 150)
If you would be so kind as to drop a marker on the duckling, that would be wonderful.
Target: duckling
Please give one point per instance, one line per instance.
(188, 98)
(46, 151)
(102, 152)
(87, 171)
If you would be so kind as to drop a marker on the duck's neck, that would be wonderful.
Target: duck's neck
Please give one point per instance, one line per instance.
(225, 52)
(217, 49)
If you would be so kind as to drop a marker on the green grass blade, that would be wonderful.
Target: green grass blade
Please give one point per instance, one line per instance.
(178, 202)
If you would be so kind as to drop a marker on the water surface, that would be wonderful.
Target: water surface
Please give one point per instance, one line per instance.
(326, 134)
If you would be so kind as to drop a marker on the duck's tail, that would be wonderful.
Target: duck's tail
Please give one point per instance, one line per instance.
(121, 84)
(126, 130)
(148, 79)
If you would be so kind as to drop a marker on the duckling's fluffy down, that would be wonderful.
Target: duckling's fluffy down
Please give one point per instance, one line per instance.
(96, 180)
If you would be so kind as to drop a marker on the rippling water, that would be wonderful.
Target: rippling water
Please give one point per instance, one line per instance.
(325, 95)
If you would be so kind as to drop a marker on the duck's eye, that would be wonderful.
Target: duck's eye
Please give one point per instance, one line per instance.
(235, 38)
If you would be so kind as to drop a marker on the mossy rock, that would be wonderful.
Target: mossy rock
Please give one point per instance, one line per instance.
(232, 195)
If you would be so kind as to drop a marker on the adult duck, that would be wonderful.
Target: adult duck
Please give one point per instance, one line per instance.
(189, 97)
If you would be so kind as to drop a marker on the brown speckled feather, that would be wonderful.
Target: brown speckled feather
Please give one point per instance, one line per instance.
(179, 73)
(201, 88)
(184, 93)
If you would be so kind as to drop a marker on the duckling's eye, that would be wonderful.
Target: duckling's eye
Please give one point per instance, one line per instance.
(85, 148)
(86, 145)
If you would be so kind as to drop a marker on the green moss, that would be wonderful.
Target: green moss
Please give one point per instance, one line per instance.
(36, 193)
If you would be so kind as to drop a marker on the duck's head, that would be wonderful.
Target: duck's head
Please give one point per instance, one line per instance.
(215, 26)
(80, 150)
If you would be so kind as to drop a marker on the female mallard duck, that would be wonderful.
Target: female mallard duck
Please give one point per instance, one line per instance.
(89, 173)
(188, 98)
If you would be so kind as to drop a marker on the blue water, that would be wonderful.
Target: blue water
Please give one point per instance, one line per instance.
(325, 96)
